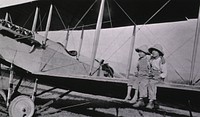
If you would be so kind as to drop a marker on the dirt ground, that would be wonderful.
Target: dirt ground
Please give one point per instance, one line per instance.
(84, 105)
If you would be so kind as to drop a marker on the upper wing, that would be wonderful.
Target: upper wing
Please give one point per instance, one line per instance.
(117, 13)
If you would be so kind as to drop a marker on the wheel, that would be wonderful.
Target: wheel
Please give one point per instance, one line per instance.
(21, 106)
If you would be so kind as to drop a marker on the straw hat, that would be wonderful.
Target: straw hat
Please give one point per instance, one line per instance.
(157, 47)
(143, 48)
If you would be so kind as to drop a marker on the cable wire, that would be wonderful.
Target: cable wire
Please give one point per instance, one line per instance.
(124, 12)
(60, 17)
(109, 14)
(28, 18)
(84, 15)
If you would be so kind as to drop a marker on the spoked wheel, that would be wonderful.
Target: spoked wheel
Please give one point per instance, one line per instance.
(21, 106)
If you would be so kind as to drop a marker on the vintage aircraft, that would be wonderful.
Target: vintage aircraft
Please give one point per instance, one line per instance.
(32, 56)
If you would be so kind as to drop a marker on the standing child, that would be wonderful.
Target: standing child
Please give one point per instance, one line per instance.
(142, 73)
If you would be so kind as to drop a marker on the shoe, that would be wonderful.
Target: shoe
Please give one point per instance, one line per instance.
(127, 98)
(133, 101)
(139, 103)
(152, 105)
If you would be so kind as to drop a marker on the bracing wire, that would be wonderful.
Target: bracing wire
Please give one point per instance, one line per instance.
(60, 17)
(26, 84)
(157, 12)
(111, 22)
(196, 81)
(110, 45)
(10, 18)
(118, 48)
(80, 18)
(40, 23)
(178, 73)
(124, 12)
(195, 47)
(84, 15)
(144, 24)
(41, 20)
(28, 18)
(183, 44)
(90, 25)
(49, 59)
(109, 13)
(172, 54)
(14, 56)
(134, 22)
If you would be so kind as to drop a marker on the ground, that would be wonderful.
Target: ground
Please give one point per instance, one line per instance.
(84, 105)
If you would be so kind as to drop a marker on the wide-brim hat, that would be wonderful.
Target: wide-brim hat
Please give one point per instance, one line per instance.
(143, 48)
(157, 47)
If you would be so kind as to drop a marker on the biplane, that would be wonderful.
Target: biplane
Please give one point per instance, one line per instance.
(47, 56)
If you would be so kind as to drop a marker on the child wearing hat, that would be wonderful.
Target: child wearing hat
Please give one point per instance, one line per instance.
(158, 72)
(141, 74)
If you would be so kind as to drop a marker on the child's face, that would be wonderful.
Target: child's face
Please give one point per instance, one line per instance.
(155, 53)
(141, 54)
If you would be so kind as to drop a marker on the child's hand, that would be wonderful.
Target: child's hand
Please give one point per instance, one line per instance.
(160, 79)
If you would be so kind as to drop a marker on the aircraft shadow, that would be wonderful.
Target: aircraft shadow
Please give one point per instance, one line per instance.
(90, 107)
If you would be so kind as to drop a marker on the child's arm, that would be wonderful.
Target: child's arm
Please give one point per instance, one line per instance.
(163, 70)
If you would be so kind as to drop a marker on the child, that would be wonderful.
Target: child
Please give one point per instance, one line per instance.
(142, 72)
(158, 71)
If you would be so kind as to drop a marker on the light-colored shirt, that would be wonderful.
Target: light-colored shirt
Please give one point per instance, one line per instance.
(157, 65)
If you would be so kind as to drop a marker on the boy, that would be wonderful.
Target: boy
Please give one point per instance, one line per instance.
(141, 74)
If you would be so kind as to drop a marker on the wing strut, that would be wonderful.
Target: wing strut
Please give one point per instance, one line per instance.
(195, 47)
(33, 28)
(46, 105)
(6, 17)
(67, 38)
(10, 89)
(48, 23)
(131, 52)
(80, 44)
(34, 90)
(35, 20)
(97, 35)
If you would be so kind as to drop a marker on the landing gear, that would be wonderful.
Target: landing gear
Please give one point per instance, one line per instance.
(21, 106)
(3, 95)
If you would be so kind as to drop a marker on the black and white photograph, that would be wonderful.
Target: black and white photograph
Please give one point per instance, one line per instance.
(99, 58)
